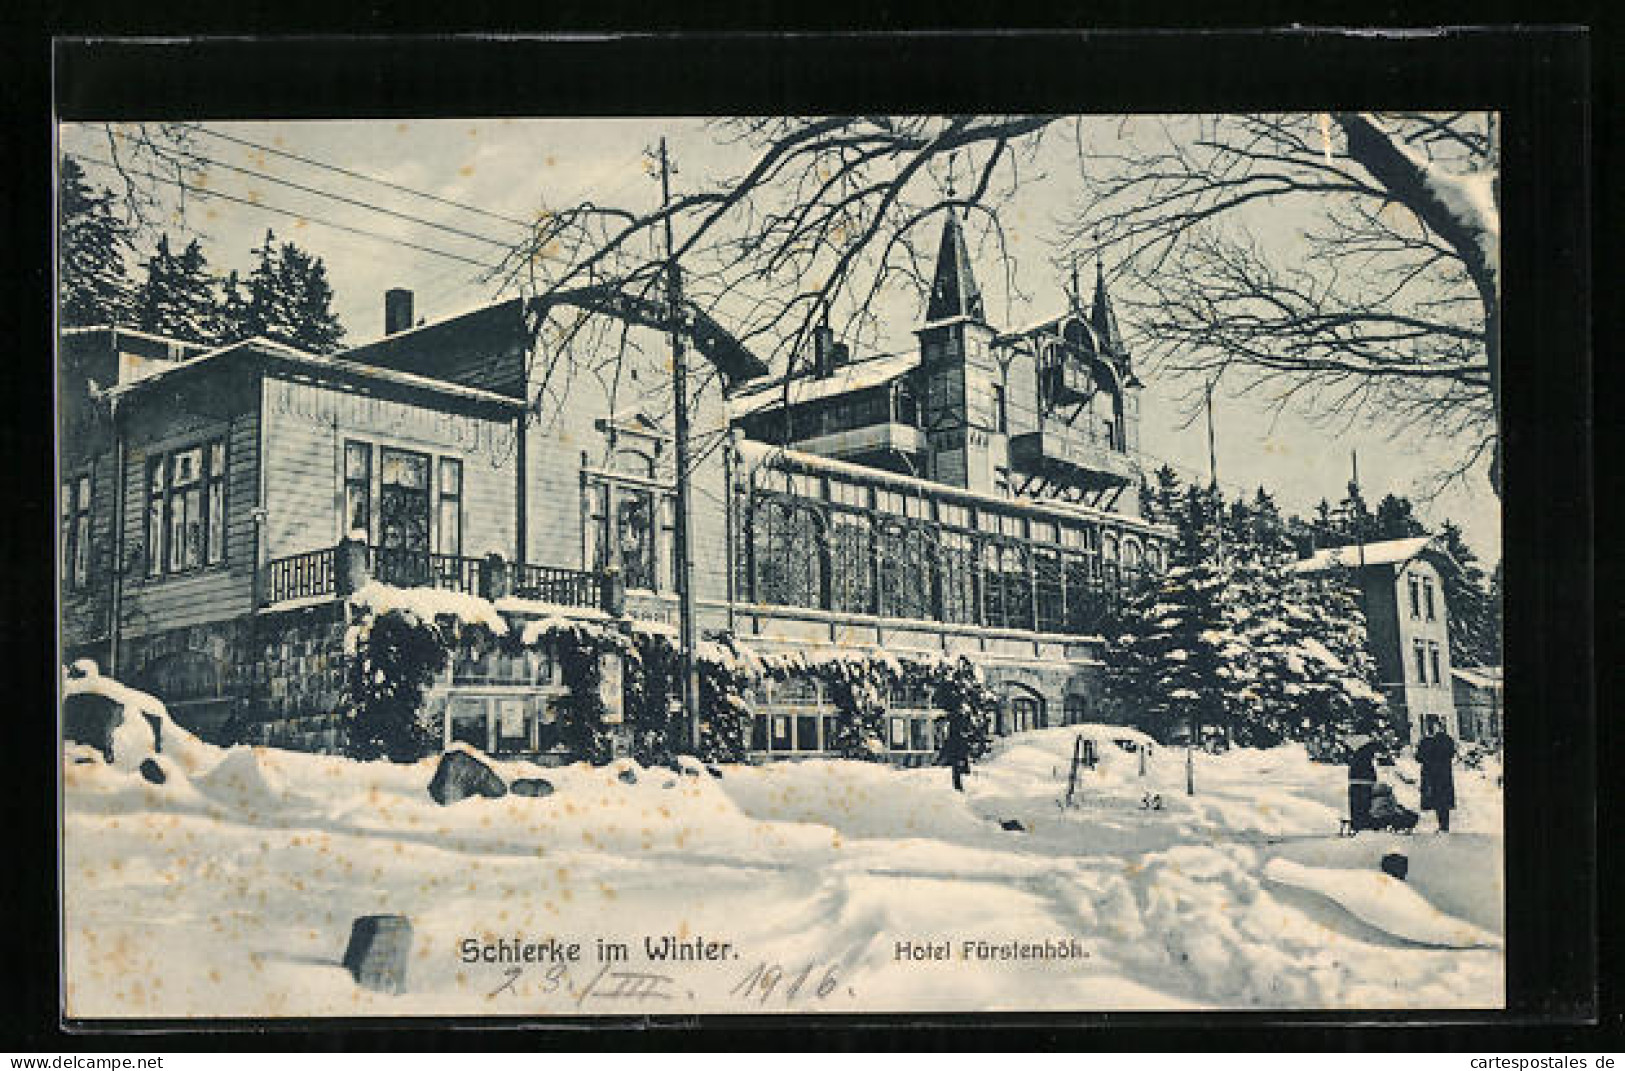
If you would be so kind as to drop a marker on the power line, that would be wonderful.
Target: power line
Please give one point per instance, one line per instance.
(317, 191)
(361, 176)
(202, 191)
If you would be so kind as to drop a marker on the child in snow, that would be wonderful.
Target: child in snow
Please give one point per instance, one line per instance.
(1435, 753)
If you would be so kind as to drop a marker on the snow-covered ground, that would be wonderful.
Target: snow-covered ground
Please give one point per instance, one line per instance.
(229, 890)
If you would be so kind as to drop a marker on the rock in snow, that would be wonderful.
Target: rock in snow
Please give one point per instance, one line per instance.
(460, 775)
(379, 950)
(531, 786)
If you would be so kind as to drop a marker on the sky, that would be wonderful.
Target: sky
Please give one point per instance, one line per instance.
(506, 170)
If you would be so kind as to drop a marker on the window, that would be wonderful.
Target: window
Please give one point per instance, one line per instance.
(358, 491)
(449, 535)
(186, 508)
(631, 527)
(1001, 417)
(791, 556)
(76, 531)
(1433, 660)
(1415, 583)
(851, 580)
(1427, 597)
(403, 500)
(1420, 649)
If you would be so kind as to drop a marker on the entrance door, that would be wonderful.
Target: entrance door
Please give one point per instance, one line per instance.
(403, 517)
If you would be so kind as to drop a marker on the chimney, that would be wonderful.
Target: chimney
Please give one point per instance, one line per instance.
(823, 351)
(397, 310)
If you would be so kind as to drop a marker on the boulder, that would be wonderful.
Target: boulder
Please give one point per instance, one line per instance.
(90, 719)
(379, 951)
(152, 771)
(1396, 865)
(714, 771)
(461, 775)
(531, 786)
(627, 776)
(1013, 825)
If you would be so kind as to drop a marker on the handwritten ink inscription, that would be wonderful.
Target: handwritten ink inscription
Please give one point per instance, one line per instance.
(671, 969)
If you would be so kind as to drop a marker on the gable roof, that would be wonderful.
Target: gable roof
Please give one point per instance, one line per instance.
(1387, 552)
(269, 349)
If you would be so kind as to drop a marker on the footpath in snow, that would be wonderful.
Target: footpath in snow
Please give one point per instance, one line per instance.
(229, 889)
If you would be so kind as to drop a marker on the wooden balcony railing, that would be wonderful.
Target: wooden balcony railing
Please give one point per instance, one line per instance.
(335, 571)
(566, 587)
(301, 576)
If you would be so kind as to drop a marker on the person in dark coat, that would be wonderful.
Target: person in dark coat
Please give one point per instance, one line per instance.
(1362, 779)
(1436, 753)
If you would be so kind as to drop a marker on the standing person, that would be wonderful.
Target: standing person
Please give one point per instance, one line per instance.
(1436, 753)
(1362, 778)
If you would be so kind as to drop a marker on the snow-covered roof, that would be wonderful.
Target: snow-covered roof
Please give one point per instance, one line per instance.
(1487, 677)
(1388, 552)
(283, 352)
(117, 329)
(752, 452)
(859, 375)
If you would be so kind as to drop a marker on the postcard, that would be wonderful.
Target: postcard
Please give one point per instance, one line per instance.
(612, 566)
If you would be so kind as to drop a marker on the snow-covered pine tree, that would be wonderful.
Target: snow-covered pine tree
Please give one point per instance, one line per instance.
(1342, 689)
(1178, 664)
(93, 282)
(176, 299)
(1473, 601)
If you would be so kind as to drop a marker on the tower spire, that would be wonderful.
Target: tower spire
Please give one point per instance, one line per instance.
(953, 290)
(1101, 317)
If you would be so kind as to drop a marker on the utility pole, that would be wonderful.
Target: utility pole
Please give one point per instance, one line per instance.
(684, 533)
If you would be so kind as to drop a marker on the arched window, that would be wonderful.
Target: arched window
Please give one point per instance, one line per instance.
(1022, 709)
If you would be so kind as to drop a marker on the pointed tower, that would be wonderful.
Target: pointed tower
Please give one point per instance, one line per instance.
(964, 406)
(1104, 321)
(1101, 317)
(954, 291)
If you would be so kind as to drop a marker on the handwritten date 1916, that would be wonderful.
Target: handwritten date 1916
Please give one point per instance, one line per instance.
(765, 979)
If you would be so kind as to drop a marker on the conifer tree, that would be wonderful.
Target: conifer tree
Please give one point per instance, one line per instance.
(289, 299)
(1396, 519)
(1473, 602)
(176, 299)
(93, 283)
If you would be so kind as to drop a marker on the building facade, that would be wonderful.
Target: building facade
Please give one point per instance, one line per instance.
(975, 496)
(1407, 620)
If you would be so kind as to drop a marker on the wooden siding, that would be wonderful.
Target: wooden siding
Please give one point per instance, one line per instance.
(306, 425)
(178, 418)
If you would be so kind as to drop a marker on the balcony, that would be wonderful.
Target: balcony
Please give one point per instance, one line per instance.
(888, 435)
(1070, 381)
(330, 572)
(1073, 456)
